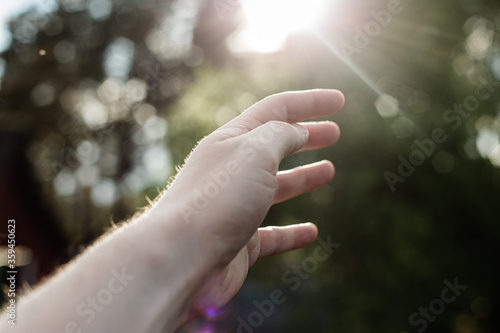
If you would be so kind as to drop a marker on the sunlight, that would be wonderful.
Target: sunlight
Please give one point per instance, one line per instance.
(335, 51)
(270, 22)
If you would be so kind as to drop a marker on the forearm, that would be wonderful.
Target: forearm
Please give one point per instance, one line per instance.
(140, 278)
(201, 237)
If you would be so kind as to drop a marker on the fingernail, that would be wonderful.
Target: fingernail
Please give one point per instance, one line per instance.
(302, 129)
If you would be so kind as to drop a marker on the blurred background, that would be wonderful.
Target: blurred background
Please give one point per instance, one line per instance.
(100, 100)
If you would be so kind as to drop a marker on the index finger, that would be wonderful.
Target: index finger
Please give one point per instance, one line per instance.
(290, 107)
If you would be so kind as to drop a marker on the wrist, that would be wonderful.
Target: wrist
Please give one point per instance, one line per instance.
(173, 266)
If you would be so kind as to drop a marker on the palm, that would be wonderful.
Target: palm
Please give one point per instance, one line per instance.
(223, 284)
(256, 142)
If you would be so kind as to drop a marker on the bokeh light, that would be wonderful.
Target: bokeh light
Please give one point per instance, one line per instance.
(101, 100)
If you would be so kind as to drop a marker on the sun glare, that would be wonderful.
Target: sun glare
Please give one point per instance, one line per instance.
(270, 22)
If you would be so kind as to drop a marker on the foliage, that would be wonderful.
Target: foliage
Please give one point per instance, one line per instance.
(397, 247)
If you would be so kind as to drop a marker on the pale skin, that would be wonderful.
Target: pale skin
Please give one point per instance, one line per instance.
(179, 265)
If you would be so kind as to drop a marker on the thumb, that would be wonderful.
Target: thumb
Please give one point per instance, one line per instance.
(279, 139)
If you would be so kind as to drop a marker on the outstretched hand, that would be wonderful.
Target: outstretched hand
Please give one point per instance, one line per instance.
(190, 252)
(231, 179)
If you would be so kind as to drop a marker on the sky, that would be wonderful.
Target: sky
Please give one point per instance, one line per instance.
(11, 8)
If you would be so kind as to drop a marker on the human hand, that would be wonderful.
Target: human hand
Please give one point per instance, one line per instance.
(231, 179)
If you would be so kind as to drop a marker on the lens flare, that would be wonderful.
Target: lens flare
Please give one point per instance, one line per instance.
(334, 50)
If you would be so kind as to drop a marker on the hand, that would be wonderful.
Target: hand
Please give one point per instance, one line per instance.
(231, 179)
(191, 251)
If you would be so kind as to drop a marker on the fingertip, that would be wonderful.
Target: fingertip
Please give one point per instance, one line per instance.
(332, 100)
(339, 99)
(329, 131)
(314, 229)
(309, 233)
(331, 168)
(337, 132)
(327, 168)
(325, 171)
